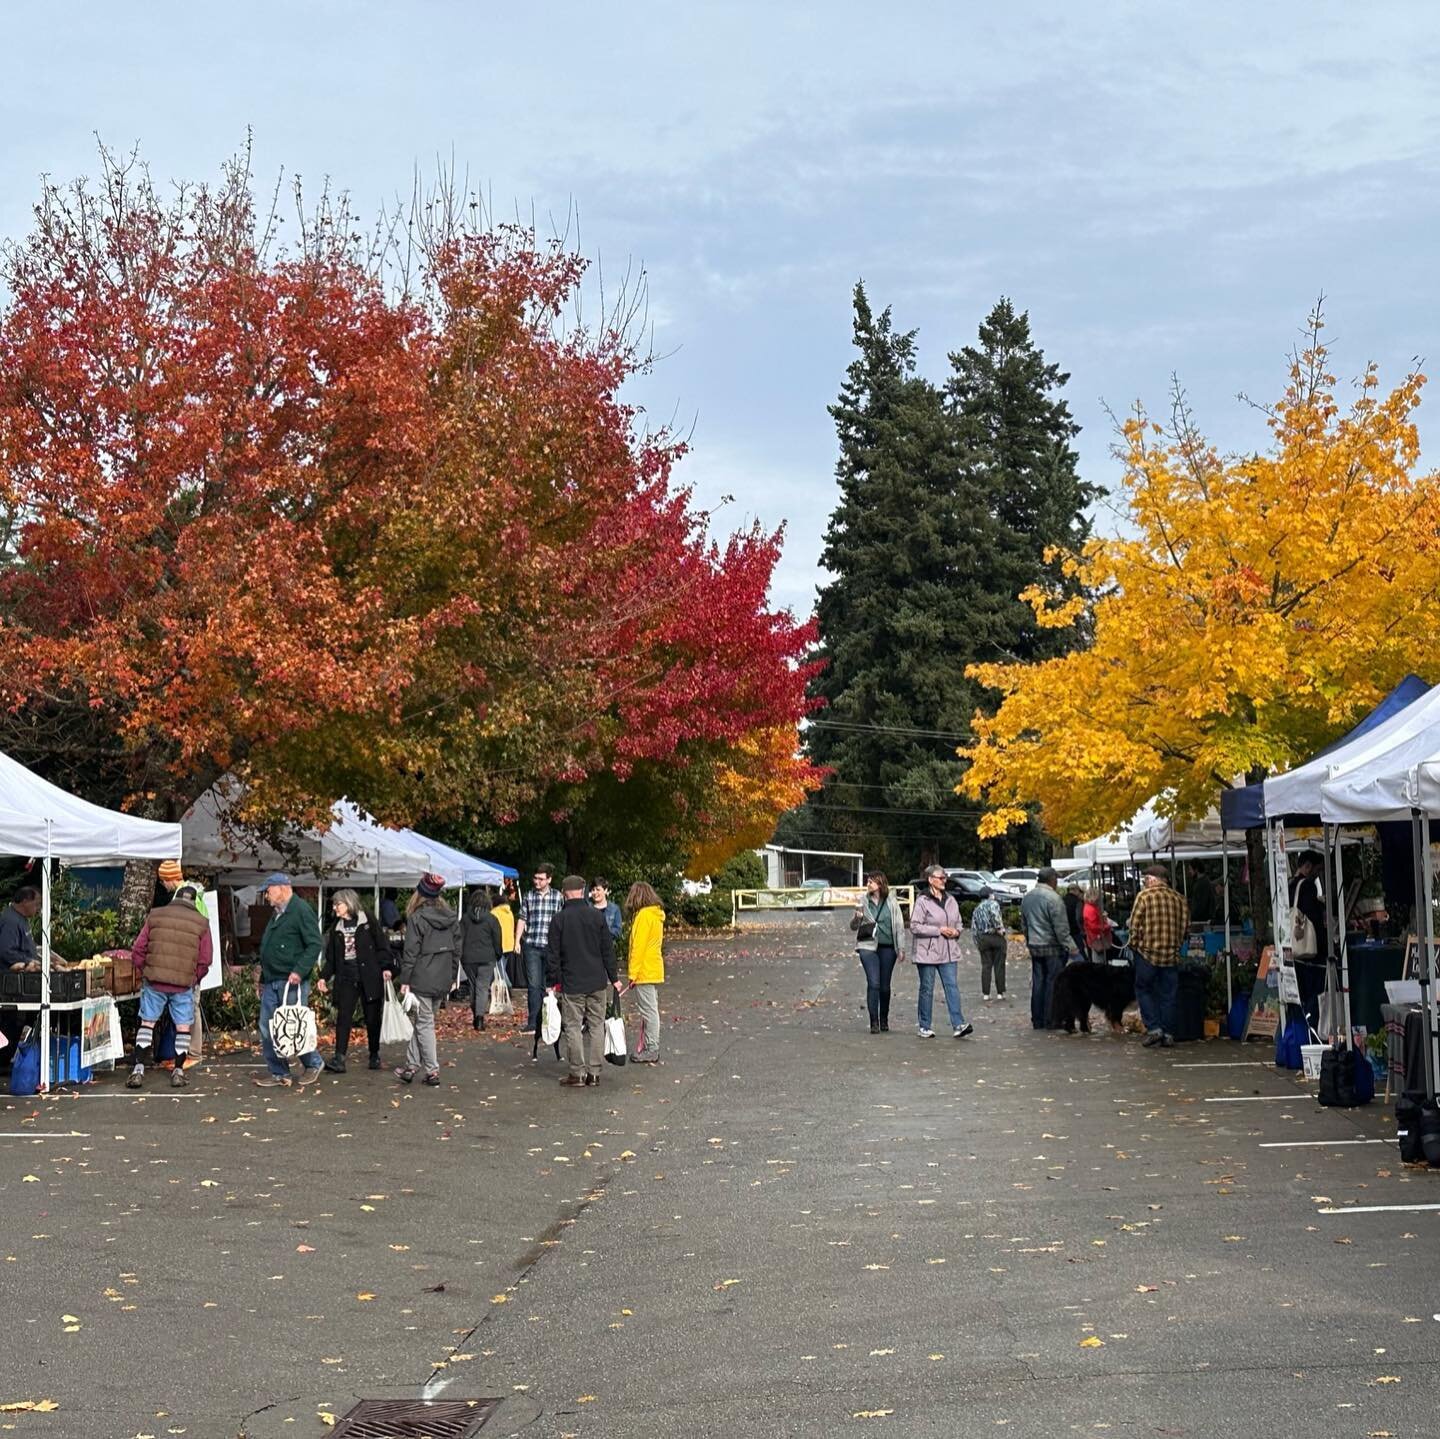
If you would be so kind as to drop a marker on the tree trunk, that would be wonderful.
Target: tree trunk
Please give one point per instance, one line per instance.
(137, 893)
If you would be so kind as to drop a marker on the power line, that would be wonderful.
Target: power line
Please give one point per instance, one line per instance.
(909, 731)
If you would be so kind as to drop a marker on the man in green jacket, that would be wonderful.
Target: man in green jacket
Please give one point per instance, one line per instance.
(289, 950)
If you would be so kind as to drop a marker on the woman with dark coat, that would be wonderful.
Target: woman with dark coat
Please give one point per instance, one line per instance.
(356, 960)
(481, 946)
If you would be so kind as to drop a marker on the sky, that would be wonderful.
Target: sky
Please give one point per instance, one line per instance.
(1165, 187)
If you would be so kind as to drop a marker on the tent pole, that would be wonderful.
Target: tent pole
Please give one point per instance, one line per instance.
(1422, 928)
(1432, 1039)
(1344, 944)
(1225, 879)
(45, 967)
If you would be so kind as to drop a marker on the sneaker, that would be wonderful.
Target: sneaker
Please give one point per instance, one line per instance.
(1152, 1039)
(591, 1080)
(926, 1033)
(310, 1074)
(136, 1077)
(432, 1079)
(1003, 998)
(336, 1064)
(986, 998)
(178, 1078)
(273, 1081)
(964, 1030)
(404, 1074)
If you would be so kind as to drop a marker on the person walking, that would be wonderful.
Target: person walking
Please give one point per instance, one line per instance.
(1099, 931)
(1047, 935)
(600, 898)
(431, 959)
(935, 925)
(532, 932)
(357, 964)
(580, 965)
(172, 954)
(289, 949)
(481, 947)
(1075, 915)
(987, 924)
(1158, 924)
(645, 968)
(879, 940)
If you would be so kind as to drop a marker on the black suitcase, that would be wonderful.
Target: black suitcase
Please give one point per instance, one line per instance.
(1190, 995)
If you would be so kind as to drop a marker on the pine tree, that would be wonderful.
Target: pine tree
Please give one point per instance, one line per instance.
(903, 615)
(1014, 434)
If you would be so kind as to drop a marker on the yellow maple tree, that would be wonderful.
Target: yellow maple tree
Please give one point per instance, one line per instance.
(1253, 608)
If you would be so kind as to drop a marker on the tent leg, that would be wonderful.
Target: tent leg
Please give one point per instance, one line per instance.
(1418, 842)
(1432, 1034)
(45, 976)
(1225, 885)
(1344, 944)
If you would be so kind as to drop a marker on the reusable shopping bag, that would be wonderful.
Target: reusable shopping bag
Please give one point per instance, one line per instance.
(500, 1001)
(292, 1027)
(614, 1030)
(550, 1018)
(395, 1026)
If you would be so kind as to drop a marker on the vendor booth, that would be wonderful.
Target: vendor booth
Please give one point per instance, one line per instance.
(41, 821)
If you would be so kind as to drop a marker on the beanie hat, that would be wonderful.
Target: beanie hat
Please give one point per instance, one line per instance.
(431, 885)
(170, 871)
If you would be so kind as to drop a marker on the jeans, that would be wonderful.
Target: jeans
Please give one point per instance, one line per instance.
(347, 991)
(421, 1054)
(1044, 968)
(646, 1011)
(1155, 990)
(879, 965)
(584, 1017)
(272, 992)
(927, 989)
(534, 956)
(992, 961)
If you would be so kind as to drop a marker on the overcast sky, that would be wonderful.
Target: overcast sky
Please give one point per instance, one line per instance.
(1165, 187)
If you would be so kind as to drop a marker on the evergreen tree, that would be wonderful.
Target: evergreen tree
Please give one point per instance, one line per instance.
(904, 613)
(1014, 435)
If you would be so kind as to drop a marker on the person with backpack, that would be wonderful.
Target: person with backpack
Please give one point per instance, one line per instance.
(987, 924)
(427, 971)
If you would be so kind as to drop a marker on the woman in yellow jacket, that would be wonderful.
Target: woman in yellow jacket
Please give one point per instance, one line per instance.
(646, 968)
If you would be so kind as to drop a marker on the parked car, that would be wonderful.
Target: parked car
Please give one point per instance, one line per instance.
(1022, 880)
(982, 879)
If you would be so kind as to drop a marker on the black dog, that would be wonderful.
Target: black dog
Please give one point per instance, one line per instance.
(1083, 985)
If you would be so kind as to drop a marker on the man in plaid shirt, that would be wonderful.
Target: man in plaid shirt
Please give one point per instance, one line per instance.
(1158, 925)
(532, 933)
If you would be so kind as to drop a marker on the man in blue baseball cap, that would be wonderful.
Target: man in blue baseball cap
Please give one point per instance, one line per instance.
(289, 950)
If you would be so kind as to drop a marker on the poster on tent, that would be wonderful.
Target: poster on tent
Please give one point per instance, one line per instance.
(216, 972)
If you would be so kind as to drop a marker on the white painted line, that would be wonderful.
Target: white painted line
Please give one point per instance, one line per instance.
(1320, 1143)
(43, 1134)
(1256, 1098)
(133, 1098)
(1226, 1064)
(1378, 1209)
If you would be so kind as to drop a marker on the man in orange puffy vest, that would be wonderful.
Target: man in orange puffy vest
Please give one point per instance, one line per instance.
(171, 955)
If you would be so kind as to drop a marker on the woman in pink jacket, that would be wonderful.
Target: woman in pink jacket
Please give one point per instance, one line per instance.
(935, 926)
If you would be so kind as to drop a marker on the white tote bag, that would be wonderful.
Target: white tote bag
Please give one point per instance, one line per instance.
(614, 1031)
(292, 1027)
(395, 1025)
(550, 1018)
(500, 1001)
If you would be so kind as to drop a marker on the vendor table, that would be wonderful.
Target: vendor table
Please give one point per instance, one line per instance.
(1371, 964)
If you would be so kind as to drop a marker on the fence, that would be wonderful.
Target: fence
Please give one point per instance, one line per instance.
(832, 896)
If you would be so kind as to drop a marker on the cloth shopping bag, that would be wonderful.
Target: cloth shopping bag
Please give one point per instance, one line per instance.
(395, 1025)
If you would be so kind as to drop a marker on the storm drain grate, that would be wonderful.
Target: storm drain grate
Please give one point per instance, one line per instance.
(415, 1418)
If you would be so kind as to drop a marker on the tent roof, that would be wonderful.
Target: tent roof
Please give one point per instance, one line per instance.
(1388, 782)
(1298, 791)
(1244, 806)
(455, 866)
(1115, 848)
(1199, 839)
(40, 818)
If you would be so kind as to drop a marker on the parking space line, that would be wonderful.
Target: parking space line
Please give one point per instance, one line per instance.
(1377, 1208)
(1255, 1098)
(1319, 1143)
(44, 1134)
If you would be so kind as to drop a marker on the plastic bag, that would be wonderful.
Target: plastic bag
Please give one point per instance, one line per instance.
(292, 1027)
(25, 1069)
(500, 1001)
(550, 1018)
(395, 1026)
(614, 1030)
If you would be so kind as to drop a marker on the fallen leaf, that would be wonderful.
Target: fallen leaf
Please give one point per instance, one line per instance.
(365, 1298)
(1093, 1342)
(875, 1352)
(501, 1299)
(30, 1179)
(726, 1283)
(30, 1406)
(304, 1249)
(1386, 1379)
(872, 1413)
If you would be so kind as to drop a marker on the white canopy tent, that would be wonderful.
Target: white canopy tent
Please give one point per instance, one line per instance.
(1115, 847)
(42, 821)
(1399, 782)
(453, 865)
